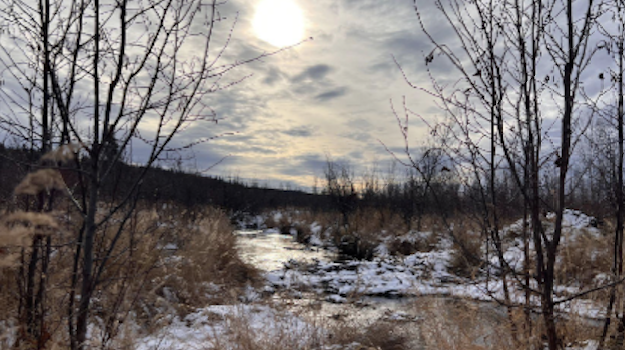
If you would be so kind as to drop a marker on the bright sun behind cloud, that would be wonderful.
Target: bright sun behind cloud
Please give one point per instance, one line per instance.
(279, 22)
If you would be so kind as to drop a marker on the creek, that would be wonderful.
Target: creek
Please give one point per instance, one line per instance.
(271, 251)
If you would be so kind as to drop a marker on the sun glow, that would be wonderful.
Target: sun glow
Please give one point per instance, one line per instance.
(279, 22)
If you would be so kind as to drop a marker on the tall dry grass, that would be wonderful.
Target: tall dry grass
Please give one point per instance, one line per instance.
(281, 329)
(162, 265)
(151, 260)
(177, 265)
(366, 230)
(467, 255)
(454, 324)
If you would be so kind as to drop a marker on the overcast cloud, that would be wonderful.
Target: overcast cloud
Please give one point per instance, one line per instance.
(328, 97)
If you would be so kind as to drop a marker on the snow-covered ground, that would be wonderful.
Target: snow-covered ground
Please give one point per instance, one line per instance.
(297, 271)
(421, 273)
(224, 326)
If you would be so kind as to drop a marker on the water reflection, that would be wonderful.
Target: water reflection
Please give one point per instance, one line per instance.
(269, 250)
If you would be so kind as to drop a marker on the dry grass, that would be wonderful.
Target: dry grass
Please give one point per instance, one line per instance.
(177, 267)
(583, 258)
(285, 330)
(142, 279)
(459, 324)
(145, 280)
(281, 332)
(450, 324)
(367, 228)
(63, 154)
(379, 335)
(456, 324)
(421, 242)
(207, 253)
(40, 181)
(373, 221)
(464, 324)
(466, 254)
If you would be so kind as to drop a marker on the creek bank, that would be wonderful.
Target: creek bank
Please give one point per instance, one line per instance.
(419, 273)
(309, 294)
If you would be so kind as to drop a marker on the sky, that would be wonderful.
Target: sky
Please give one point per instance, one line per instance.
(329, 97)
(331, 93)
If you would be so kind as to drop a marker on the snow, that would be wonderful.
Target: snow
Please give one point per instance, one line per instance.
(214, 326)
(587, 345)
(426, 273)
(574, 219)
(418, 274)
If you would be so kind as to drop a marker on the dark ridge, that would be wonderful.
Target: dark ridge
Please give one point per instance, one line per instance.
(165, 185)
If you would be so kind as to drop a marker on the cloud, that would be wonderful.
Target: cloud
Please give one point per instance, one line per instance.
(316, 72)
(359, 136)
(300, 131)
(313, 161)
(331, 95)
(284, 126)
(273, 76)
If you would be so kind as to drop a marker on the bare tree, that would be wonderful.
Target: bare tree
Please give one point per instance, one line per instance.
(614, 44)
(110, 74)
(341, 188)
(514, 58)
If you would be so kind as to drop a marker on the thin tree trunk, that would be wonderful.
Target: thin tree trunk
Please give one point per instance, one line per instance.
(88, 284)
(86, 290)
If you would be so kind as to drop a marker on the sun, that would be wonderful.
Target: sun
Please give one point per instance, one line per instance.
(279, 22)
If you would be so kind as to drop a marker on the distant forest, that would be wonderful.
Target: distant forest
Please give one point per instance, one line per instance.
(340, 190)
(165, 185)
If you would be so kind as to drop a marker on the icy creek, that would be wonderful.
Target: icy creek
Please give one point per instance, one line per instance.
(307, 288)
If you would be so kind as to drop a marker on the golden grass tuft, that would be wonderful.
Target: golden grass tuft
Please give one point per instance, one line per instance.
(378, 335)
(176, 266)
(450, 324)
(17, 230)
(40, 181)
(466, 253)
(209, 253)
(583, 257)
(63, 154)
(457, 324)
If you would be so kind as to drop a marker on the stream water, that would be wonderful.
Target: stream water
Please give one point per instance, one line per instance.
(269, 251)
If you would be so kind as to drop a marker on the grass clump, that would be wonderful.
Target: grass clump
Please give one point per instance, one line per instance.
(466, 253)
(379, 335)
(582, 256)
